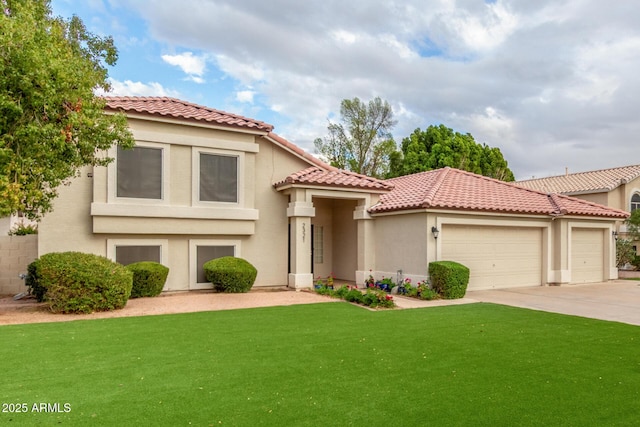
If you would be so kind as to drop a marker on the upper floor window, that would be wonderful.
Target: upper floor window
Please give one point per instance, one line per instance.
(139, 173)
(635, 202)
(218, 178)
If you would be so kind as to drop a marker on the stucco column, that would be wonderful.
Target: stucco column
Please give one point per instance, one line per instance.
(366, 243)
(300, 213)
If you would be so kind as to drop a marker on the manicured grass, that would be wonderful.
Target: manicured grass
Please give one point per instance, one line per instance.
(326, 364)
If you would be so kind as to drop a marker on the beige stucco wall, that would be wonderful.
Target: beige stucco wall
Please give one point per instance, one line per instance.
(345, 255)
(87, 215)
(403, 242)
(600, 198)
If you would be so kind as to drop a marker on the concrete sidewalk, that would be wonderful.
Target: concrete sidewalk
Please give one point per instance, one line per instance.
(617, 300)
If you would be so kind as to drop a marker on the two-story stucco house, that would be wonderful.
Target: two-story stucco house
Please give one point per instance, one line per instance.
(203, 183)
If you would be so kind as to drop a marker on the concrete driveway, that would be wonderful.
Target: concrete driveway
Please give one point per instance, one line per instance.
(616, 300)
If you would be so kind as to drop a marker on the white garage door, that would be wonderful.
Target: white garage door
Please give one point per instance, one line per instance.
(587, 255)
(497, 257)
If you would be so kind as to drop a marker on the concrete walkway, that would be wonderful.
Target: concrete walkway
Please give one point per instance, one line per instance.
(616, 300)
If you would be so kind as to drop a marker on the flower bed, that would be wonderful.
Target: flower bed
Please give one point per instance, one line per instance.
(374, 298)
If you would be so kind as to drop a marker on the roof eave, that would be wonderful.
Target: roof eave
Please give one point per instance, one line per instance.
(186, 121)
(288, 185)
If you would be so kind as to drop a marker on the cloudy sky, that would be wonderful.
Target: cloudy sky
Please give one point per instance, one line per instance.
(553, 83)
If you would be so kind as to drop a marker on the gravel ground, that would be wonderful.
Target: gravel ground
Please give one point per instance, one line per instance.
(27, 310)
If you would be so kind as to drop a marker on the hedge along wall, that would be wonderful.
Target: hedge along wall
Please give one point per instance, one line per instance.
(16, 253)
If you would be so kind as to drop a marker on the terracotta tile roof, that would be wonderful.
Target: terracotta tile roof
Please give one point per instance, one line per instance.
(454, 189)
(316, 176)
(584, 182)
(175, 108)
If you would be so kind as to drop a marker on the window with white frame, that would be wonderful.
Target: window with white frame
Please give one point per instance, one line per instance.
(126, 255)
(206, 253)
(128, 251)
(139, 173)
(218, 178)
(635, 202)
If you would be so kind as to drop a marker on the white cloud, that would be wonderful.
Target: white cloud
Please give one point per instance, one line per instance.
(246, 73)
(245, 96)
(129, 88)
(193, 66)
(343, 36)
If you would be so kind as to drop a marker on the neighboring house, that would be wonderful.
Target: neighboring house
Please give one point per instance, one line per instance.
(202, 183)
(617, 188)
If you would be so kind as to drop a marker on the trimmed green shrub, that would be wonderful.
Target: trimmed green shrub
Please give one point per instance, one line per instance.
(353, 295)
(230, 274)
(449, 278)
(75, 282)
(148, 278)
(33, 281)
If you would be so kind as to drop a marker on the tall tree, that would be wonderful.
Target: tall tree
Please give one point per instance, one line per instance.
(362, 142)
(440, 146)
(51, 121)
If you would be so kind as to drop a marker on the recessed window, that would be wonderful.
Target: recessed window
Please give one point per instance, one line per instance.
(635, 202)
(218, 178)
(126, 255)
(139, 173)
(207, 253)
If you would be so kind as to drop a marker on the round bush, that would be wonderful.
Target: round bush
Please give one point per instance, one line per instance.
(449, 278)
(148, 278)
(75, 282)
(230, 274)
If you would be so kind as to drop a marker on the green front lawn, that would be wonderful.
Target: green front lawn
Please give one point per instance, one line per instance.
(325, 364)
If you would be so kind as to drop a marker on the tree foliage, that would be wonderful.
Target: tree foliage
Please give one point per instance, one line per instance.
(362, 142)
(51, 121)
(440, 146)
(633, 225)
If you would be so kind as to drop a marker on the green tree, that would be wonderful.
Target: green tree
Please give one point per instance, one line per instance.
(362, 142)
(51, 121)
(633, 225)
(440, 146)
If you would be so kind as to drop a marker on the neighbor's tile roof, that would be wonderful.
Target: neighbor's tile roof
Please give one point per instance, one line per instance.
(316, 176)
(449, 188)
(178, 109)
(584, 182)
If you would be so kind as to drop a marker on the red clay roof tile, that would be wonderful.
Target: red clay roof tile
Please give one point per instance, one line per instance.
(449, 188)
(316, 176)
(584, 182)
(175, 108)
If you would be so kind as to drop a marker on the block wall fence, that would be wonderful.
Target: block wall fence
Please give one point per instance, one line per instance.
(16, 253)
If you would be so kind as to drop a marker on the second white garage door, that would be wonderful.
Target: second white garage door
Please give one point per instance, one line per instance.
(498, 257)
(587, 255)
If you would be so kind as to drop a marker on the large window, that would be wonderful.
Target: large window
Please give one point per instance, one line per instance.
(139, 173)
(126, 255)
(128, 251)
(635, 202)
(218, 180)
(207, 253)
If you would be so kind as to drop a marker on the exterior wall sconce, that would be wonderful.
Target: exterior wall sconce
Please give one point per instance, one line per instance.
(614, 233)
(435, 232)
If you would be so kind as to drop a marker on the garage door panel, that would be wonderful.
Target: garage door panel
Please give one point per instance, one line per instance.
(497, 257)
(587, 255)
